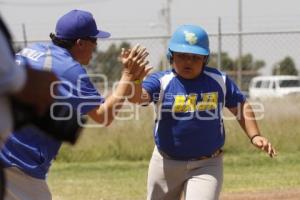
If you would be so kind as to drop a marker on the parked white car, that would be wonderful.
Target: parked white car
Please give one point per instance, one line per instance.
(274, 86)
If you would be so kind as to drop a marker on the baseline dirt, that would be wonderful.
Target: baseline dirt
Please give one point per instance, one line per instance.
(291, 194)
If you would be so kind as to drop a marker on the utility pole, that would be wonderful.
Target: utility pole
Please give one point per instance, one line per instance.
(240, 44)
(166, 14)
(168, 17)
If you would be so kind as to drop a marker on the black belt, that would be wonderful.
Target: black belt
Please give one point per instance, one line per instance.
(213, 155)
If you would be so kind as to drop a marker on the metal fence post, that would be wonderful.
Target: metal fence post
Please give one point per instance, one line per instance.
(219, 44)
(24, 34)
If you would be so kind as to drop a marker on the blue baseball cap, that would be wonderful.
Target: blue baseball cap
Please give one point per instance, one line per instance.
(78, 24)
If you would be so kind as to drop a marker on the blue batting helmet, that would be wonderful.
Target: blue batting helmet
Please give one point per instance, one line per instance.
(189, 39)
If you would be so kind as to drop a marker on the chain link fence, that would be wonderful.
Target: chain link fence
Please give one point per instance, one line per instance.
(270, 47)
(132, 139)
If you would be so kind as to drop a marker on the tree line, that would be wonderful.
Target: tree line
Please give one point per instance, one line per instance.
(107, 62)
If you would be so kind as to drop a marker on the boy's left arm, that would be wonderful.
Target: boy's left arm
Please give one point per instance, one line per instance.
(246, 118)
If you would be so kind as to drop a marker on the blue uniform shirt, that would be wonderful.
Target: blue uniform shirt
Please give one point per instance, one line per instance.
(29, 149)
(189, 120)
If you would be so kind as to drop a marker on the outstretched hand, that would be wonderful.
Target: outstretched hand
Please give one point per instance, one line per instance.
(135, 63)
(263, 143)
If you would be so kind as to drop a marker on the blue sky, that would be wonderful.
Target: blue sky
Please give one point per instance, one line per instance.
(143, 18)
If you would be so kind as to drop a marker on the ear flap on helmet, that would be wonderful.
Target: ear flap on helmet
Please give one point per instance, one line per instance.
(206, 60)
(170, 56)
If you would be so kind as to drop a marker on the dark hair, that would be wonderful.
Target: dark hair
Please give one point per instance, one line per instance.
(64, 43)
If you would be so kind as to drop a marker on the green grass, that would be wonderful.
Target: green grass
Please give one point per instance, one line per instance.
(111, 180)
(123, 140)
(111, 163)
(126, 180)
(257, 172)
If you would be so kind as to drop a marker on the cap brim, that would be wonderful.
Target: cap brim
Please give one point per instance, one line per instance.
(102, 34)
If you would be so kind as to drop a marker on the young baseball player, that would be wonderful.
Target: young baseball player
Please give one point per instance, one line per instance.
(189, 132)
(28, 153)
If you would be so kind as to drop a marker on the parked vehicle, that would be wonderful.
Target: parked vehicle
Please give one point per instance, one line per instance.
(274, 86)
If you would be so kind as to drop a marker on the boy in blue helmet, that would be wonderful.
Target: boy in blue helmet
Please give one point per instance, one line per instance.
(189, 132)
(28, 153)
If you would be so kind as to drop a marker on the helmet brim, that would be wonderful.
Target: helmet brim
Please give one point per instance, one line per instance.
(183, 48)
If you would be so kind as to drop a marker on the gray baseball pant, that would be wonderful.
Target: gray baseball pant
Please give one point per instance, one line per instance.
(20, 186)
(188, 180)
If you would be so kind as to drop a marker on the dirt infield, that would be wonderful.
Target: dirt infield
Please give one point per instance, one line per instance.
(268, 195)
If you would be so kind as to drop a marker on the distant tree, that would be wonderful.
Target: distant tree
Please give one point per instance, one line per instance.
(229, 64)
(250, 66)
(107, 62)
(285, 67)
(248, 63)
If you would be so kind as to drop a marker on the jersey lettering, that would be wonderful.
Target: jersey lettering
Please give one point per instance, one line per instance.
(188, 103)
(185, 104)
(209, 102)
(31, 54)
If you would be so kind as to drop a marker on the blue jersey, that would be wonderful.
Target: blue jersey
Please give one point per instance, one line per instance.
(189, 120)
(29, 149)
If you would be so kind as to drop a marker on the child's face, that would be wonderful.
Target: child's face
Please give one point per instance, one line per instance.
(187, 65)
